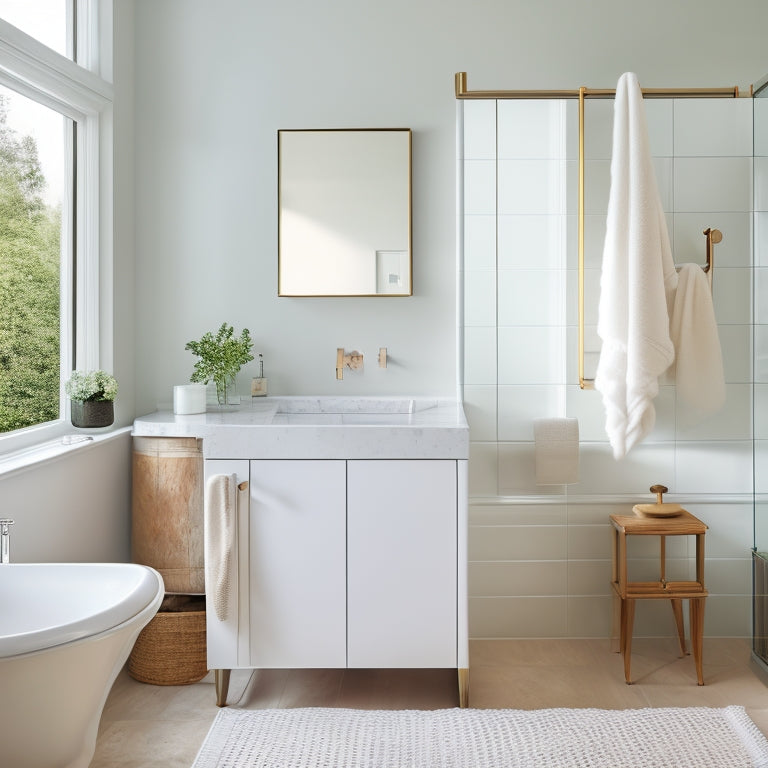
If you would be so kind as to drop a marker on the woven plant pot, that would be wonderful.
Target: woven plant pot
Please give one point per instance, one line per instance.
(171, 649)
(92, 413)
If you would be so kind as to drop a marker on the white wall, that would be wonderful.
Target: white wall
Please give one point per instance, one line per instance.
(214, 83)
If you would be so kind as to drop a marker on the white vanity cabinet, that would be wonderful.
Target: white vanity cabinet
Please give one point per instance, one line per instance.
(342, 564)
(350, 544)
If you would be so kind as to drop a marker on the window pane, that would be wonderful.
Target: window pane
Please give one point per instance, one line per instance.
(32, 173)
(45, 20)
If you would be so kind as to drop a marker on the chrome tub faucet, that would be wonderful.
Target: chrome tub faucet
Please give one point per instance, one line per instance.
(5, 541)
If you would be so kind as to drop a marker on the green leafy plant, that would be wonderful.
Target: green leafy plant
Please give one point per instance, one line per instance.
(84, 386)
(221, 357)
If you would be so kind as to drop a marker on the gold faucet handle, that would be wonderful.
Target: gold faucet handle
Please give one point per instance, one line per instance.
(659, 490)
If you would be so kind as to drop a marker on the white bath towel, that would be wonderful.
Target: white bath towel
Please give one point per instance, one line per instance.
(699, 375)
(556, 442)
(637, 283)
(219, 535)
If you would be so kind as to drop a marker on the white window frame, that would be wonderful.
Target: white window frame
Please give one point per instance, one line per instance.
(36, 71)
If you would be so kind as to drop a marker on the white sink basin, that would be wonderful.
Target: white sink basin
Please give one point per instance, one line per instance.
(343, 405)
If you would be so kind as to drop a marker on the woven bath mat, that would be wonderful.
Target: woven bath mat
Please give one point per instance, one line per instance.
(696, 737)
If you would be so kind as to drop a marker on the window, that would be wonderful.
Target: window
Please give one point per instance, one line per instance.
(46, 20)
(52, 133)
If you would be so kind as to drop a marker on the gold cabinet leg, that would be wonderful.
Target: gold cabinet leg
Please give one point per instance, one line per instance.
(221, 676)
(463, 688)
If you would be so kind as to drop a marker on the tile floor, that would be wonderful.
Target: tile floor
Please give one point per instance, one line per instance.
(146, 726)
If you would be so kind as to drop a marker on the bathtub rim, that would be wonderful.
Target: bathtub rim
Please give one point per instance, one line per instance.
(79, 631)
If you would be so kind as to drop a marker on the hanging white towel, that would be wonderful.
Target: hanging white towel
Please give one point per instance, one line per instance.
(699, 375)
(556, 442)
(219, 535)
(638, 280)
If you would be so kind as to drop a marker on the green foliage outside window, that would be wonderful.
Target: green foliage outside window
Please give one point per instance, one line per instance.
(29, 286)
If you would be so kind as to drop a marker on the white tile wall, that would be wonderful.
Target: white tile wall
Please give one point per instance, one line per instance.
(540, 555)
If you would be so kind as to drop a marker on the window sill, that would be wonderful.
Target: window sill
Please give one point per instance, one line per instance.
(51, 450)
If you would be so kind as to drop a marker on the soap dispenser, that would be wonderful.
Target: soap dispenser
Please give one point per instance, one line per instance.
(259, 383)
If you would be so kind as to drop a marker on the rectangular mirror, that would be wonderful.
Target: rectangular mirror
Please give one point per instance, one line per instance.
(344, 212)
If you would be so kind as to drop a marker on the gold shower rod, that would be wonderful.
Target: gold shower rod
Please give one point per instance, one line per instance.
(596, 93)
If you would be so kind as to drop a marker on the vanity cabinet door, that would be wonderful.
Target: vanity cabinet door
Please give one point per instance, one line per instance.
(402, 563)
(298, 575)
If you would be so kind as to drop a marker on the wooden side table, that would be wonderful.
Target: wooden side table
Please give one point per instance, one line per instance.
(684, 524)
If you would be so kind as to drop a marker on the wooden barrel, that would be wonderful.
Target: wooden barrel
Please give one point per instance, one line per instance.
(167, 523)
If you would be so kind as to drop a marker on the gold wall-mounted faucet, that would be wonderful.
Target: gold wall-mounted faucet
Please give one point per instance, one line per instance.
(352, 360)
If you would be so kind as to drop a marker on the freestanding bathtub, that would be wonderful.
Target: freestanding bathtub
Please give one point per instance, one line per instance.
(65, 632)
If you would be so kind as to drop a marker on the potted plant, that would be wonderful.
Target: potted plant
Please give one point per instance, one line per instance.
(221, 357)
(92, 395)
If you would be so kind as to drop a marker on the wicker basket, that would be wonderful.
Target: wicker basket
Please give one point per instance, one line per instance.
(171, 649)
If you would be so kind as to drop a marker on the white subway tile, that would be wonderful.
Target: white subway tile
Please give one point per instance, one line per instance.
(517, 472)
(760, 165)
(480, 242)
(727, 616)
(480, 298)
(644, 465)
(532, 187)
(520, 405)
(713, 184)
(589, 577)
(732, 422)
(732, 295)
(713, 467)
(480, 130)
(551, 513)
(589, 616)
(531, 297)
(736, 347)
(517, 579)
(761, 411)
(518, 616)
(760, 107)
(533, 129)
(713, 127)
(483, 469)
(512, 542)
(532, 241)
(479, 187)
(480, 410)
(728, 577)
(531, 355)
(480, 355)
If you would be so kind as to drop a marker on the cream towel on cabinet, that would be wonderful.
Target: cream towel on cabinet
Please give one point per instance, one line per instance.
(219, 529)
(638, 280)
(699, 375)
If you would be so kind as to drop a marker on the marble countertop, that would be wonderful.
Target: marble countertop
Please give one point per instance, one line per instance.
(321, 427)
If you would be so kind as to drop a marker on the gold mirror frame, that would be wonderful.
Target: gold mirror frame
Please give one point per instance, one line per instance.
(344, 212)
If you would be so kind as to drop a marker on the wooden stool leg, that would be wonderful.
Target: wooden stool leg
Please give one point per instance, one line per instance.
(627, 621)
(617, 641)
(677, 610)
(697, 634)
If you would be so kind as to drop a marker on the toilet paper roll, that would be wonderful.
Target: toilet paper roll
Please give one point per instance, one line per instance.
(189, 398)
(557, 451)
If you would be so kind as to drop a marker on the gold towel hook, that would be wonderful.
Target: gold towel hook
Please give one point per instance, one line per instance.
(713, 236)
